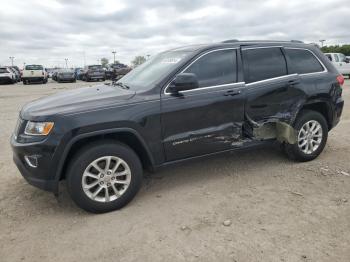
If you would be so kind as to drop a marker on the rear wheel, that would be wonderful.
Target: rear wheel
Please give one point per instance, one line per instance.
(312, 134)
(104, 177)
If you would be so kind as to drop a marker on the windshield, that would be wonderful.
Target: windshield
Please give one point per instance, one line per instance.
(34, 67)
(146, 75)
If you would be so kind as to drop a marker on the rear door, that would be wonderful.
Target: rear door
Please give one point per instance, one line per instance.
(272, 93)
(207, 119)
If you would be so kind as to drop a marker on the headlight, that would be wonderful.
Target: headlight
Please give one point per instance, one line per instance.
(38, 128)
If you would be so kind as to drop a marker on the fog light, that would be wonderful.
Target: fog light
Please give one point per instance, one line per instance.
(32, 161)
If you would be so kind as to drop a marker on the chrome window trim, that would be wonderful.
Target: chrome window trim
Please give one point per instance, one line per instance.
(205, 87)
(271, 79)
(325, 70)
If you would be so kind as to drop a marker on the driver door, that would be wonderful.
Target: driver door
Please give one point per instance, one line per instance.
(209, 118)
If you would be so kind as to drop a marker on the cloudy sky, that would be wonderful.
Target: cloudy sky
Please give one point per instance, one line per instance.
(47, 32)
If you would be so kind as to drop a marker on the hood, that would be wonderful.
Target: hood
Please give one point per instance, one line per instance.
(78, 100)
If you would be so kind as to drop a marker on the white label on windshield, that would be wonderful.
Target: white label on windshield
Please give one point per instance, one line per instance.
(171, 60)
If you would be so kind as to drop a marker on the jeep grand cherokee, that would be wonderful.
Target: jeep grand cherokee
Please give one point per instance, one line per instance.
(181, 104)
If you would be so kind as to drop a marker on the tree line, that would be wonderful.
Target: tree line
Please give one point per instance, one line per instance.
(138, 60)
(344, 49)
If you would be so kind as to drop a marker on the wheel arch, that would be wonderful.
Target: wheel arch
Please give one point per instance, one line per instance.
(127, 136)
(320, 106)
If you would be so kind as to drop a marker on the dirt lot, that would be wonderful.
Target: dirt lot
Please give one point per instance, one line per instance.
(279, 210)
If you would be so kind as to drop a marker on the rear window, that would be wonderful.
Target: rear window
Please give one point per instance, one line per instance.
(264, 63)
(303, 61)
(95, 67)
(34, 67)
(3, 70)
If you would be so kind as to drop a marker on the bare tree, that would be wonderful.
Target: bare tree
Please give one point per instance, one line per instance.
(138, 60)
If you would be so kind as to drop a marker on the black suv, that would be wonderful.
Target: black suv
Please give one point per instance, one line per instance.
(182, 104)
(93, 72)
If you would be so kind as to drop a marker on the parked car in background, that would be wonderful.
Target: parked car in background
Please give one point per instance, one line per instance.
(78, 73)
(50, 72)
(116, 71)
(54, 74)
(7, 76)
(341, 62)
(34, 73)
(17, 77)
(179, 105)
(17, 72)
(65, 75)
(93, 72)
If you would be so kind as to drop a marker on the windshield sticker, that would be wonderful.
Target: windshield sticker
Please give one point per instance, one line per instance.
(171, 60)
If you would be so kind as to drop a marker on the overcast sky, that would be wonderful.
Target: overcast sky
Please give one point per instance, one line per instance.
(47, 32)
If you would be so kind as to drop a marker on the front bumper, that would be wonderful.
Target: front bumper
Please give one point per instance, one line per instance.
(41, 176)
(5, 79)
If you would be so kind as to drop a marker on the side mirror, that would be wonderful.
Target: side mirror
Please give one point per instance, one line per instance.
(182, 82)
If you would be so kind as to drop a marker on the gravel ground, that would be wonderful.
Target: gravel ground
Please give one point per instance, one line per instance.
(245, 206)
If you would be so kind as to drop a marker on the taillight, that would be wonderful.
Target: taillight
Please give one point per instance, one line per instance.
(340, 79)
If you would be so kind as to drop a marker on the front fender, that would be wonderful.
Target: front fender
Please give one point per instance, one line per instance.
(79, 137)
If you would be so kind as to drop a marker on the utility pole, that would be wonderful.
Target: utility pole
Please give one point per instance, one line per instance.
(66, 59)
(11, 58)
(84, 59)
(322, 40)
(114, 52)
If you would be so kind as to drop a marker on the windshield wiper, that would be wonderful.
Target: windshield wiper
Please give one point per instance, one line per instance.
(122, 85)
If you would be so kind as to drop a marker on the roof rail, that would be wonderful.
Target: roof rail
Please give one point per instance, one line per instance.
(230, 41)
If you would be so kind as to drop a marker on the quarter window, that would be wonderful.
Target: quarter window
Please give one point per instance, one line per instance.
(303, 61)
(264, 63)
(215, 68)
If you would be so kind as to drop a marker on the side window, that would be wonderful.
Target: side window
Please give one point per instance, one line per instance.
(215, 68)
(336, 58)
(263, 63)
(303, 61)
(329, 57)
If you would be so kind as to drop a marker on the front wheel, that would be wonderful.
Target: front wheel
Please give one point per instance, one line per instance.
(312, 134)
(104, 177)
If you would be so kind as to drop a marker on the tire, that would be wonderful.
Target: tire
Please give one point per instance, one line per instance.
(25, 82)
(83, 160)
(295, 151)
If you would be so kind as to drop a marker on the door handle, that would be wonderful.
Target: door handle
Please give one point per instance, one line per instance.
(293, 82)
(232, 92)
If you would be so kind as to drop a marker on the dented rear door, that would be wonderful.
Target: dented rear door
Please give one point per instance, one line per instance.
(273, 93)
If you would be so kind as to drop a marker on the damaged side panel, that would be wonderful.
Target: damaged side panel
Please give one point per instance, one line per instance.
(281, 131)
(206, 140)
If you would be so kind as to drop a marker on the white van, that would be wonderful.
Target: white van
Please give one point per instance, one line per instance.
(341, 62)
